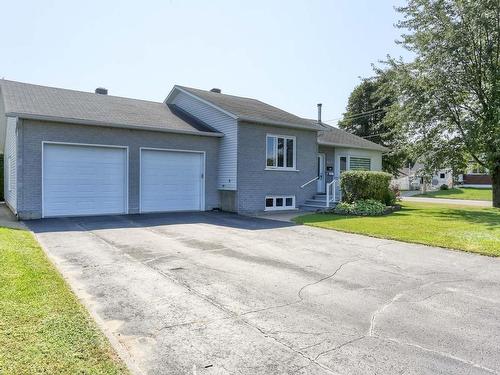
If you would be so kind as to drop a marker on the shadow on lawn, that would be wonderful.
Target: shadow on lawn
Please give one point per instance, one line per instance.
(488, 218)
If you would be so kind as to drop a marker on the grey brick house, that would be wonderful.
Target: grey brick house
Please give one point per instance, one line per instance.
(72, 153)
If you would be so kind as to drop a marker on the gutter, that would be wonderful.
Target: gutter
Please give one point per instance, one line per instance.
(282, 124)
(381, 149)
(28, 116)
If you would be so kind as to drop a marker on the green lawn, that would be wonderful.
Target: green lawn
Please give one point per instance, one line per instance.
(43, 327)
(458, 227)
(475, 194)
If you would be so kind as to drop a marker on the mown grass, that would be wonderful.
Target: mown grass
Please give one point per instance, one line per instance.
(464, 228)
(475, 194)
(43, 327)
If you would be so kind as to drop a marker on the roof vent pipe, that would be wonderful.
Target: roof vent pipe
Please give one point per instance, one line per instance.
(101, 91)
(218, 91)
(319, 113)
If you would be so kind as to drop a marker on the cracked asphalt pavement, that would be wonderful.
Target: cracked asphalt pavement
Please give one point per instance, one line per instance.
(215, 293)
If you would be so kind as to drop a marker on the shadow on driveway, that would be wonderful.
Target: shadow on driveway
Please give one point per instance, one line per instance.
(223, 219)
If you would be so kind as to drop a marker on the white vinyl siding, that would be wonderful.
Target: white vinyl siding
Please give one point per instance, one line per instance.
(359, 164)
(227, 158)
(84, 180)
(10, 164)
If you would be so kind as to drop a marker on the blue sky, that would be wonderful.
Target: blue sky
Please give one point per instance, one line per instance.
(291, 54)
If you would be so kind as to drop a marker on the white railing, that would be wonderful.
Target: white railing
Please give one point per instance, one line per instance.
(331, 192)
(309, 182)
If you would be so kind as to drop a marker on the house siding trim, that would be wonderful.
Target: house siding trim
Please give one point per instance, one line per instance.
(228, 145)
(11, 164)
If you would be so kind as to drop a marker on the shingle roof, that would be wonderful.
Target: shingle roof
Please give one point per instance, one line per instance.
(253, 110)
(33, 101)
(338, 137)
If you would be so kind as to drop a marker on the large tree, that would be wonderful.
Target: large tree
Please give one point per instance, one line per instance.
(365, 113)
(449, 96)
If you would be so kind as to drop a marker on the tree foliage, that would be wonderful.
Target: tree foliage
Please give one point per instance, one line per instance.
(449, 96)
(365, 116)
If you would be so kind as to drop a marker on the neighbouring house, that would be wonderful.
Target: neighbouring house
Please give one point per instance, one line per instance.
(411, 178)
(73, 153)
(475, 176)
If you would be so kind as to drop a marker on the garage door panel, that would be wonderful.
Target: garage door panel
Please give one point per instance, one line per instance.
(171, 181)
(84, 180)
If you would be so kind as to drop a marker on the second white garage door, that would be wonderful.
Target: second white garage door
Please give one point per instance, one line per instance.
(171, 181)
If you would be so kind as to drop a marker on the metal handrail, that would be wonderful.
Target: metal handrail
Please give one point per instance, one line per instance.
(333, 186)
(309, 182)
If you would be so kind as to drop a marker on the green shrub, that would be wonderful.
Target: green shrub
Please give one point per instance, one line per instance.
(363, 207)
(1, 177)
(357, 185)
(443, 187)
(389, 198)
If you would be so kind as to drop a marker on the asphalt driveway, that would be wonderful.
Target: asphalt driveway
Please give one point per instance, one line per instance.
(215, 293)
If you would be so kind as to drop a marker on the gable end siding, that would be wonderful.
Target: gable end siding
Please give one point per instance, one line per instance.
(227, 162)
(10, 164)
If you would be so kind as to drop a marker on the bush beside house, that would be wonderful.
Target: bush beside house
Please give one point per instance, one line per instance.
(366, 193)
(357, 185)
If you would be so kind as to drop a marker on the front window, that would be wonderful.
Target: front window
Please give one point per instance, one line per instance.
(343, 164)
(280, 152)
(359, 164)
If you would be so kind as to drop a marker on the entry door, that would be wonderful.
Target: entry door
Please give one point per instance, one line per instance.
(84, 180)
(321, 188)
(171, 181)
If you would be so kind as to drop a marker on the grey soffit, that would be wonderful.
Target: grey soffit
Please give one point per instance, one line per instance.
(54, 104)
(337, 137)
(251, 110)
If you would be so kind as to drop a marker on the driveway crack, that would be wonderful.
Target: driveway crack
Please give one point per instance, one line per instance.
(324, 278)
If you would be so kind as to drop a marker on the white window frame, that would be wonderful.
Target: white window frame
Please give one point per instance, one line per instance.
(285, 138)
(277, 208)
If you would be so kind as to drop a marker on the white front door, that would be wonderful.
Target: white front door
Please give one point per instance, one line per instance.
(321, 188)
(84, 180)
(171, 181)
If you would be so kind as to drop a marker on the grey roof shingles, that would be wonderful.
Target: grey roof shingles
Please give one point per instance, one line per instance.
(34, 101)
(338, 137)
(49, 103)
(252, 110)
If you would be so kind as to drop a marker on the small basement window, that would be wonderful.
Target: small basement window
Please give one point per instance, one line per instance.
(275, 203)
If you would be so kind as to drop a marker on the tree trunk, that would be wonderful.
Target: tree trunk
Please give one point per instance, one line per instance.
(495, 179)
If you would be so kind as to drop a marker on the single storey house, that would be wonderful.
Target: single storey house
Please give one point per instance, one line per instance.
(73, 153)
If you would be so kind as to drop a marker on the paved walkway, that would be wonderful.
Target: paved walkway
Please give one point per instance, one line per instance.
(461, 202)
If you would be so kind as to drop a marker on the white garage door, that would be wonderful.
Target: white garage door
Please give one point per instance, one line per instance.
(171, 181)
(84, 180)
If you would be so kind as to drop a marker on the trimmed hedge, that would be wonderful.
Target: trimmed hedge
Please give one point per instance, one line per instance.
(358, 185)
(1, 177)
